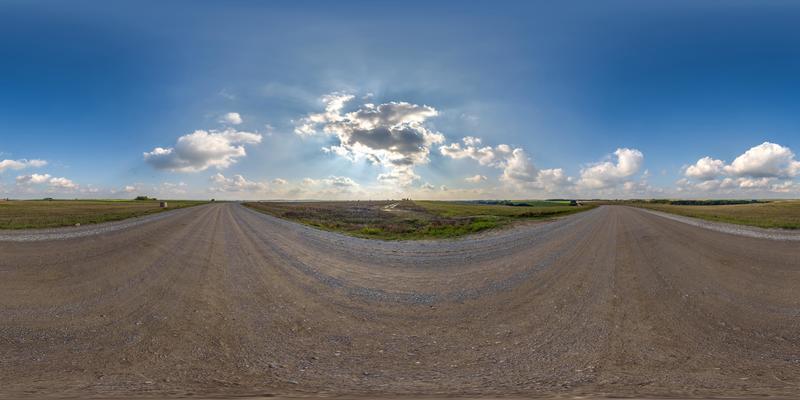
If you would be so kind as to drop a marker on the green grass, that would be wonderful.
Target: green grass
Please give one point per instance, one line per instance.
(538, 209)
(783, 214)
(409, 219)
(30, 214)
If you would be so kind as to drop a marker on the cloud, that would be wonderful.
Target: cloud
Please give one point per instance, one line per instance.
(755, 183)
(765, 160)
(62, 183)
(32, 179)
(279, 181)
(640, 189)
(334, 181)
(21, 164)
(765, 168)
(471, 149)
(201, 150)
(553, 179)
(160, 190)
(608, 174)
(705, 169)
(518, 169)
(53, 182)
(236, 183)
(741, 185)
(475, 178)
(392, 135)
(332, 187)
(399, 176)
(232, 118)
(341, 182)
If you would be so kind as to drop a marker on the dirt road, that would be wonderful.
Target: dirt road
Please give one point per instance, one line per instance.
(220, 299)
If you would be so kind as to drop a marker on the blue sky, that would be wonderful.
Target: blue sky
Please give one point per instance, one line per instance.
(444, 100)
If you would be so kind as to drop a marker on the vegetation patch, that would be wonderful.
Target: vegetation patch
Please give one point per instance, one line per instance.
(783, 214)
(719, 202)
(406, 219)
(49, 213)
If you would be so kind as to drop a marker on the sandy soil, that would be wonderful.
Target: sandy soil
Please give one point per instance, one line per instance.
(222, 300)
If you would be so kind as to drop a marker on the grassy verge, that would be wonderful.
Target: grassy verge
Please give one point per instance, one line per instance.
(783, 214)
(404, 220)
(31, 214)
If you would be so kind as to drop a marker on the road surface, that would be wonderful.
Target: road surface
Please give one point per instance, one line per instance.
(220, 299)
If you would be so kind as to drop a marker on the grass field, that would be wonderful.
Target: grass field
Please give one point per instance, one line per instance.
(783, 214)
(392, 220)
(25, 214)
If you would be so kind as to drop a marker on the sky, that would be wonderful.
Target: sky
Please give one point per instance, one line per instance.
(378, 100)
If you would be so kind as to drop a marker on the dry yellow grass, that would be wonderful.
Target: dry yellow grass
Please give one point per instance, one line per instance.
(25, 214)
(783, 214)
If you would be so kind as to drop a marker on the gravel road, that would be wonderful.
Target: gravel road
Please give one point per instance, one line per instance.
(219, 300)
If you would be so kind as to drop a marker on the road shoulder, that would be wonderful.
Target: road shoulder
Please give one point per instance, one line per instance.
(733, 229)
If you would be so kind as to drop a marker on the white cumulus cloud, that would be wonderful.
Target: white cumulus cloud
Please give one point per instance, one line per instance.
(21, 164)
(340, 182)
(609, 174)
(62, 183)
(32, 179)
(518, 169)
(472, 149)
(427, 186)
(201, 150)
(232, 118)
(236, 183)
(705, 169)
(53, 182)
(766, 168)
(765, 160)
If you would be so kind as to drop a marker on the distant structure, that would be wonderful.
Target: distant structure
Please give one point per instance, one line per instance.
(163, 204)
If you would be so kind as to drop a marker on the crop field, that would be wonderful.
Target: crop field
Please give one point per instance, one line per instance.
(30, 214)
(783, 214)
(398, 220)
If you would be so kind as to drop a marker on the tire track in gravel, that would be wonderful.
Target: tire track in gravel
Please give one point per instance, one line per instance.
(219, 300)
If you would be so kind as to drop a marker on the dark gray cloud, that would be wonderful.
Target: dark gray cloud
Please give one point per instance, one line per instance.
(392, 134)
